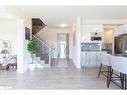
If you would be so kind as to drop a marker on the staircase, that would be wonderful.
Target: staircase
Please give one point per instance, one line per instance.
(44, 54)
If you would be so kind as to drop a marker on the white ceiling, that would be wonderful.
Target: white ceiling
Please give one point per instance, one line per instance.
(55, 15)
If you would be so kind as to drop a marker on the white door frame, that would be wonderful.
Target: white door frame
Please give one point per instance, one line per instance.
(67, 51)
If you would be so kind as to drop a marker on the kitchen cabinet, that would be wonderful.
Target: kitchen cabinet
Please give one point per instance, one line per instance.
(90, 59)
(122, 29)
(116, 32)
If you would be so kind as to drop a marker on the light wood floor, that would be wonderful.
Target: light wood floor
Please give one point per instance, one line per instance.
(62, 75)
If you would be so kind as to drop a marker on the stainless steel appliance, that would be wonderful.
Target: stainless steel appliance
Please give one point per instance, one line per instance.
(96, 36)
(120, 44)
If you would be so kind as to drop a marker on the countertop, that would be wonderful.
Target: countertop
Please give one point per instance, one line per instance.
(122, 55)
(92, 51)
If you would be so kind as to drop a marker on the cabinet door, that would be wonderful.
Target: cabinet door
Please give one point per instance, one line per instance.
(90, 59)
(83, 59)
(119, 30)
(94, 59)
(98, 61)
(116, 32)
(124, 29)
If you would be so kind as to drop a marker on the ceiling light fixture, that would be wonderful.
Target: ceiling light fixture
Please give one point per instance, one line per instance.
(63, 25)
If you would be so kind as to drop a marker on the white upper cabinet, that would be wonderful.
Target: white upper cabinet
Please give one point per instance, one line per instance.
(118, 31)
(122, 29)
(88, 29)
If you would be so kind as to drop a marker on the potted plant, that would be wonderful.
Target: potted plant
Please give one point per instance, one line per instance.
(32, 48)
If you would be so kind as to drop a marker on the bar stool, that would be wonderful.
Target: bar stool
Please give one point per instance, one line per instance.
(104, 59)
(119, 64)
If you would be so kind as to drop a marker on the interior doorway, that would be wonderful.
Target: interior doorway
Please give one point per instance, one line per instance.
(63, 45)
(108, 40)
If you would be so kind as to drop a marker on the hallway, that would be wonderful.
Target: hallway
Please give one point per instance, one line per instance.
(62, 63)
(57, 77)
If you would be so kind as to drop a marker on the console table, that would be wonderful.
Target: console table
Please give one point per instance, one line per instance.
(13, 65)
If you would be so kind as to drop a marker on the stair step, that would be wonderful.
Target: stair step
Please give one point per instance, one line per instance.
(38, 54)
(42, 56)
(2, 67)
(42, 62)
(47, 65)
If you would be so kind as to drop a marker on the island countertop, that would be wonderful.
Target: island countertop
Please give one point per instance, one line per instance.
(121, 55)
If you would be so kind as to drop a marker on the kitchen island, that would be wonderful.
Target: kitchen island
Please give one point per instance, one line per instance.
(121, 55)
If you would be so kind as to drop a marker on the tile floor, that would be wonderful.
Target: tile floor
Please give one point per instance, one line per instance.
(62, 75)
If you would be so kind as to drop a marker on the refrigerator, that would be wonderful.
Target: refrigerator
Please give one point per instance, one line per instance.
(120, 44)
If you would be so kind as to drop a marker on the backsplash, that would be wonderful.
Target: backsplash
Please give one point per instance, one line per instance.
(90, 47)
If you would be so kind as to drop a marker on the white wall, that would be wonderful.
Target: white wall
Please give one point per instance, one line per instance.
(76, 30)
(23, 20)
(9, 32)
(50, 36)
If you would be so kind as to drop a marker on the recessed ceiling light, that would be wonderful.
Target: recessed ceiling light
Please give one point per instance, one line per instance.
(63, 25)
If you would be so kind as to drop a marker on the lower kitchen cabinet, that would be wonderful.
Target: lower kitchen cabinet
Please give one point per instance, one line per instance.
(90, 59)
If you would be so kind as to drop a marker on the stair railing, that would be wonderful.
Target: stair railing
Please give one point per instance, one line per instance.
(44, 50)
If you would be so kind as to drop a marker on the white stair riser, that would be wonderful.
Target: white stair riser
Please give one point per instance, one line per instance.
(40, 63)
